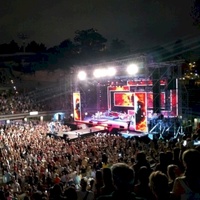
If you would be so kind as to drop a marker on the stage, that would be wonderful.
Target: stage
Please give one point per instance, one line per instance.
(80, 133)
(113, 123)
(104, 124)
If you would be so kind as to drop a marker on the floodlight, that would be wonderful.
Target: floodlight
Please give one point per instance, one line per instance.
(82, 75)
(103, 72)
(132, 69)
(111, 71)
(97, 73)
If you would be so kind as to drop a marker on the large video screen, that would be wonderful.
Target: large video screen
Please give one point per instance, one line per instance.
(125, 99)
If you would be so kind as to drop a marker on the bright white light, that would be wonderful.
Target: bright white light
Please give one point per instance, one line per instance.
(8, 121)
(103, 72)
(33, 113)
(82, 75)
(97, 73)
(111, 71)
(132, 69)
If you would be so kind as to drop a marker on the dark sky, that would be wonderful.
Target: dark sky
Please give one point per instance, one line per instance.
(141, 23)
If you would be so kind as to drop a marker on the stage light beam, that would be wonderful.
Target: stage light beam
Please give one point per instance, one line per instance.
(98, 73)
(132, 69)
(82, 75)
(111, 71)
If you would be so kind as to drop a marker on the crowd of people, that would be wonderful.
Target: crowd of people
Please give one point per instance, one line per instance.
(36, 165)
(102, 166)
(15, 104)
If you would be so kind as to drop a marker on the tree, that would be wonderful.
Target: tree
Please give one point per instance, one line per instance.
(12, 47)
(195, 12)
(66, 44)
(89, 41)
(118, 46)
(35, 47)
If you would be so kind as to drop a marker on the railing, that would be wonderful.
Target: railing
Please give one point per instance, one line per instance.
(27, 115)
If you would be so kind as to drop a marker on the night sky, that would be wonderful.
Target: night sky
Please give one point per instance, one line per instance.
(140, 23)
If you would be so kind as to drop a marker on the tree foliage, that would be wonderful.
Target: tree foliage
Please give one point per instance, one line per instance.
(35, 47)
(9, 48)
(89, 41)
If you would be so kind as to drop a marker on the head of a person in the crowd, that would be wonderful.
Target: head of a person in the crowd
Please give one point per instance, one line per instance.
(107, 175)
(83, 184)
(191, 162)
(141, 156)
(173, 172)
(123, 176)
(158, 183)
(143, 175)
(71, 193)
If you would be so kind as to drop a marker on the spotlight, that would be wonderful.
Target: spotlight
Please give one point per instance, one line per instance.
(111, 71)
(132, 69)
(82, 75)
(98, 73)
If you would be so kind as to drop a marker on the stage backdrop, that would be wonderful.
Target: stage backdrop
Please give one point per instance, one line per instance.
(77, 106)
(121, 99)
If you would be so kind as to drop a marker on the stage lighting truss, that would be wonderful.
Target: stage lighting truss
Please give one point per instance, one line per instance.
(129, 70)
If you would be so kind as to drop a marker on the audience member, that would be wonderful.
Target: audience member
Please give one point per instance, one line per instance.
(108, 186)
(158, 182)
(142, 188)
(188, 186)
(123, 178)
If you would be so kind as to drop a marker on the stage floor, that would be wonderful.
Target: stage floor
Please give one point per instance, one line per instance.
(71, 135)
(111, 123)
(108, 124)
(81, 132)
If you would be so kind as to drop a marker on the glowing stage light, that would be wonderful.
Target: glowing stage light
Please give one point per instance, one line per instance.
(132, 69)
(98, 73)
(111, 71)
(82, 75)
